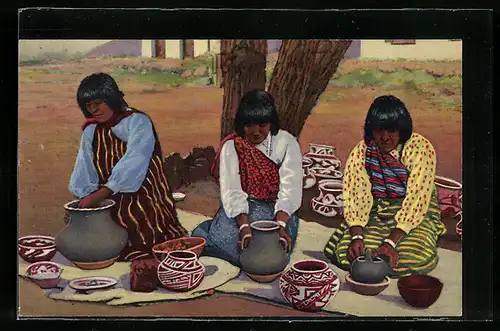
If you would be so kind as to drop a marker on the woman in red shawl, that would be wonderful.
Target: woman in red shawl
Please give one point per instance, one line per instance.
(259, 168)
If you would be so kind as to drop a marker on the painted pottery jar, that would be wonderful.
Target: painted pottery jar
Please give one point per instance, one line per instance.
(181, 271)
(319, 149)
(450, 196)
(91, 240)
(265, 255)
(309, 285)
(369, 270)
(330, 201)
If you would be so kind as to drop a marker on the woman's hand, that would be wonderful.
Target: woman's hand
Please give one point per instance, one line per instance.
(355, 250)
(245, 237)
(387, 250)
(356, 247)
(94, 199)
(245, 233)
(285, 239)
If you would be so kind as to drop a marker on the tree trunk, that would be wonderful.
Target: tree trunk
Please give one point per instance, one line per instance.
(243, 66)
(302, 72)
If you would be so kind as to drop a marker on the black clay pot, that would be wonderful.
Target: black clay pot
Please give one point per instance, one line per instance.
(369, 270)
(91, 240)
(264, 255)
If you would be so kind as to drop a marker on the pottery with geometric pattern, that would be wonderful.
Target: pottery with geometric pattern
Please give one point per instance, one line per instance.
(181, 271)
(309, 285)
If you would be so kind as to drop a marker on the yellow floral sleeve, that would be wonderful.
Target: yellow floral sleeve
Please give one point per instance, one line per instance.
(419, 157)
(358, 199)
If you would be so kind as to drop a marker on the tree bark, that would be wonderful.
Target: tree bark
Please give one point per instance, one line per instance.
(302, 72)
(243, 66)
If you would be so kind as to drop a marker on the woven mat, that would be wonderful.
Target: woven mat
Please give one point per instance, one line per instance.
(310, 243)
(217, 273)
(225, 278)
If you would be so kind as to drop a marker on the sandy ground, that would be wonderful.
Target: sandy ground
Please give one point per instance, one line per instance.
(49, 134)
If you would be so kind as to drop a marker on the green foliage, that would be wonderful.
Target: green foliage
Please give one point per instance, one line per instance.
(48, 57)
(398, 78)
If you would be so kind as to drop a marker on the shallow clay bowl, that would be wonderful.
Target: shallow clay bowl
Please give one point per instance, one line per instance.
(45, 274)
(420, 290)
(36, 248)
(367, 289)
(264, 278)
(178, 196)
(192, 244)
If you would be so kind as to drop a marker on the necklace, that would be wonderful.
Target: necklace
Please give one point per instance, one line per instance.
(269, 146)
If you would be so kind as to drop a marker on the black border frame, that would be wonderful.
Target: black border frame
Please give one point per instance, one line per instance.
(474, 27)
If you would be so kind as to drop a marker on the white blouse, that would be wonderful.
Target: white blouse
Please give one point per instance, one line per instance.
(284, 150)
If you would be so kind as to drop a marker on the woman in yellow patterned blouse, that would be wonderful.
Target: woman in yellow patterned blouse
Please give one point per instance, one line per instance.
(390, 200)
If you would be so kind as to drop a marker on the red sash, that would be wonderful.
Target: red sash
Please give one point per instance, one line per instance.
(259, 175)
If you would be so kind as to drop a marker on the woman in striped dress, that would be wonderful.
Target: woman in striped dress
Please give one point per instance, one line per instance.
(120, 158)
(390, 199)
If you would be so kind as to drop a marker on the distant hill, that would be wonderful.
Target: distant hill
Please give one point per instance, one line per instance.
(117, 48)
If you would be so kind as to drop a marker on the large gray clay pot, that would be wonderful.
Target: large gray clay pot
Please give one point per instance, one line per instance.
(265, 254)
(369, 270)
(91, 240)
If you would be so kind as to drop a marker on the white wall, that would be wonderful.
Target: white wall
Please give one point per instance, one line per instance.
(147, 48)
(423, 49)
(57, 48)
(173, 48)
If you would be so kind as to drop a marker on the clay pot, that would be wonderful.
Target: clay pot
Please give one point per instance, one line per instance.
(319, 149)
(309, 285)
(91, 240)
(265, 254)
(420, 290)
(36, 248)
(369, 270)
(450, 196)
(181, 271)
(330, 201)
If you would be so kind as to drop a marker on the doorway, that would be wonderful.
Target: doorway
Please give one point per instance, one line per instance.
(159, 49)
(188, 48)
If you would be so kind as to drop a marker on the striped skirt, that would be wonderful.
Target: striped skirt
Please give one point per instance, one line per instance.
(417, 250)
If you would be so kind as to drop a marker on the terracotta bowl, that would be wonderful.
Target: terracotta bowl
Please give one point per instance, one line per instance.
(264, 278)
(420, 290)
(193, 244)
(367, 289)
(44, 274)
(36, 248)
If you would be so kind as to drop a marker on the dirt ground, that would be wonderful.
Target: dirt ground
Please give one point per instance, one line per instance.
(49, 134)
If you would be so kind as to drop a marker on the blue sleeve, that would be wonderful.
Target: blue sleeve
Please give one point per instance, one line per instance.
(84, 178)
(129, 173)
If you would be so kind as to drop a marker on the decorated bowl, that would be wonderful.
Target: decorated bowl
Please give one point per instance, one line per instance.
(45, 274)
(193, 244)
(36, 248)
(420, 290)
